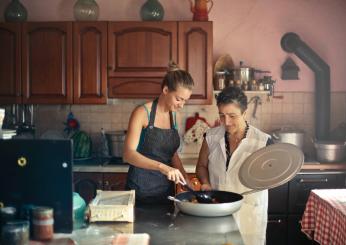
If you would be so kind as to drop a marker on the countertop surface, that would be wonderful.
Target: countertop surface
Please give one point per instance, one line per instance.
(99, 165)
(165, 226)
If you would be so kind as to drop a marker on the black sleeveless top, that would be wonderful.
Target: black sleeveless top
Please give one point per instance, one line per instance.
(159, 144)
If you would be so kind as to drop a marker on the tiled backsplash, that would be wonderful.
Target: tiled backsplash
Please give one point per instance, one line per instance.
(285, 109)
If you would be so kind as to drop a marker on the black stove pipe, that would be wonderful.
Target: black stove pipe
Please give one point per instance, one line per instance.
(291, 43)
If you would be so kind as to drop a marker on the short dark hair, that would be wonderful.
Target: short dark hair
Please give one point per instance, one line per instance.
(232, 95)
(175, 76)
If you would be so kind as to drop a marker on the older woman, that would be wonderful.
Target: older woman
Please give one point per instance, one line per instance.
(223, 151)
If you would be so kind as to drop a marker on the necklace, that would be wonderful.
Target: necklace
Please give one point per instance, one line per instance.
(227, 141)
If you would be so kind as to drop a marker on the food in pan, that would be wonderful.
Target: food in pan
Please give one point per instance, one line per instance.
(194, 200)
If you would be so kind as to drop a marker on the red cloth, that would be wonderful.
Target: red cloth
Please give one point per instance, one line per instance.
(324, 218)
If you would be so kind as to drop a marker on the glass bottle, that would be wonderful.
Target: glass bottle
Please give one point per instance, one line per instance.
(86, 10)
(152, 10)
(15, 12)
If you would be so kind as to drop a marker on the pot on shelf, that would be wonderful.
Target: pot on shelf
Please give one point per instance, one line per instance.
(330, 151)
(289, 135)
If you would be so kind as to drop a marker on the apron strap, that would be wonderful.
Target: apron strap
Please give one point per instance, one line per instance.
(171, 120)
(153, 113)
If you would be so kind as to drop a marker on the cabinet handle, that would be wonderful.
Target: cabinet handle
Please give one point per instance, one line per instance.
(325, 180)
(277, 221)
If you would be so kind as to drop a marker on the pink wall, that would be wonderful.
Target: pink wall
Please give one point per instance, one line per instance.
(248, 30)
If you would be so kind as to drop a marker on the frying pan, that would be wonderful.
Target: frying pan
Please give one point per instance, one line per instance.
(266, 168)
(229, 202)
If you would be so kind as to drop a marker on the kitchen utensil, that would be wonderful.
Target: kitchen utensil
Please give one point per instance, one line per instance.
(330, 151)
(266, 168)
(245, 73)
(271, 166)
(288, 134)
(201, 196)
(116, 142)
(229, 203)
(173, 199)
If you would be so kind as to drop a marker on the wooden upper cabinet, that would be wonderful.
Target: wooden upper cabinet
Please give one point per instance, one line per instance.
(47, 62)
(138, 55)
(195, 56)
(10, 80)
(90, 62)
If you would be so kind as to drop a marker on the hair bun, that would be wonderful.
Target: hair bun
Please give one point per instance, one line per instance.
(172, 66)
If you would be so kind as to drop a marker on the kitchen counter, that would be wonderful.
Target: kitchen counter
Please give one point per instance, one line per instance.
(165, 226)
(190, 165)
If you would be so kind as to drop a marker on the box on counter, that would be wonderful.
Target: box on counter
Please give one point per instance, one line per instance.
(113, 206)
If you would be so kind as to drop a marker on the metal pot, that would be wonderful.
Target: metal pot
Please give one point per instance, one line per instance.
(243, 74)
(330, 151)
(115, 140)
(289, 135)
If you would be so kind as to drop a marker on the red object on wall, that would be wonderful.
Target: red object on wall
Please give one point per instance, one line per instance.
(190, 121)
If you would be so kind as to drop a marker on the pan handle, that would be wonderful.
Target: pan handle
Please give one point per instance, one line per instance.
(249, 192)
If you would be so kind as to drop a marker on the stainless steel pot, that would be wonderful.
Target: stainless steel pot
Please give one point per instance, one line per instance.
(115, 140)
(289, 135)
(243, 74)
(330, 151)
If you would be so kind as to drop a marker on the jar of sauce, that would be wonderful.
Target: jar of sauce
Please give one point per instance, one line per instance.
(42, 221)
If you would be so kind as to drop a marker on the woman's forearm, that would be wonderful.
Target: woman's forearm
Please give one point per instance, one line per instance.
(202, 174)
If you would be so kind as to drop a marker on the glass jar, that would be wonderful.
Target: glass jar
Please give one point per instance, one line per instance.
(15, 233)
(220, 80)
(42, 221)
(86, 10)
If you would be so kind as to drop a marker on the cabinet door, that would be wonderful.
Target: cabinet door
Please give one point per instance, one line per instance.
(47, 62)
(138, 56)
(195, 56)
(276, 230)
(10, 74)
(86, 184)
(294, 234)
(278, 199)
(302, 184)
(114, 181)
(90, 62)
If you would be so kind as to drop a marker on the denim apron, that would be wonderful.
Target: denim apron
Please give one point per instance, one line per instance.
(159, 144)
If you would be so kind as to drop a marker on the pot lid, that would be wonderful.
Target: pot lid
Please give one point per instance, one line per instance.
(271, 166)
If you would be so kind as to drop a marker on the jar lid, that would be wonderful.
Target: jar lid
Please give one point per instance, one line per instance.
(42, 211)
(8, 210)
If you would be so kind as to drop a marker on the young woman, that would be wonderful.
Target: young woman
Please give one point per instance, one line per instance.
(223, 151)
(152, 141)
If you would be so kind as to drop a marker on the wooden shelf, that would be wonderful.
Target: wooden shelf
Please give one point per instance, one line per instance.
(247, 92)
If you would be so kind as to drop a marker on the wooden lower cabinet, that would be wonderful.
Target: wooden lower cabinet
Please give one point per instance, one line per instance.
(114, 181)
(86, 184)
(276, 229)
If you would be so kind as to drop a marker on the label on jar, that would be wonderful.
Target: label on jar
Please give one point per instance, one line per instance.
(43, 222)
